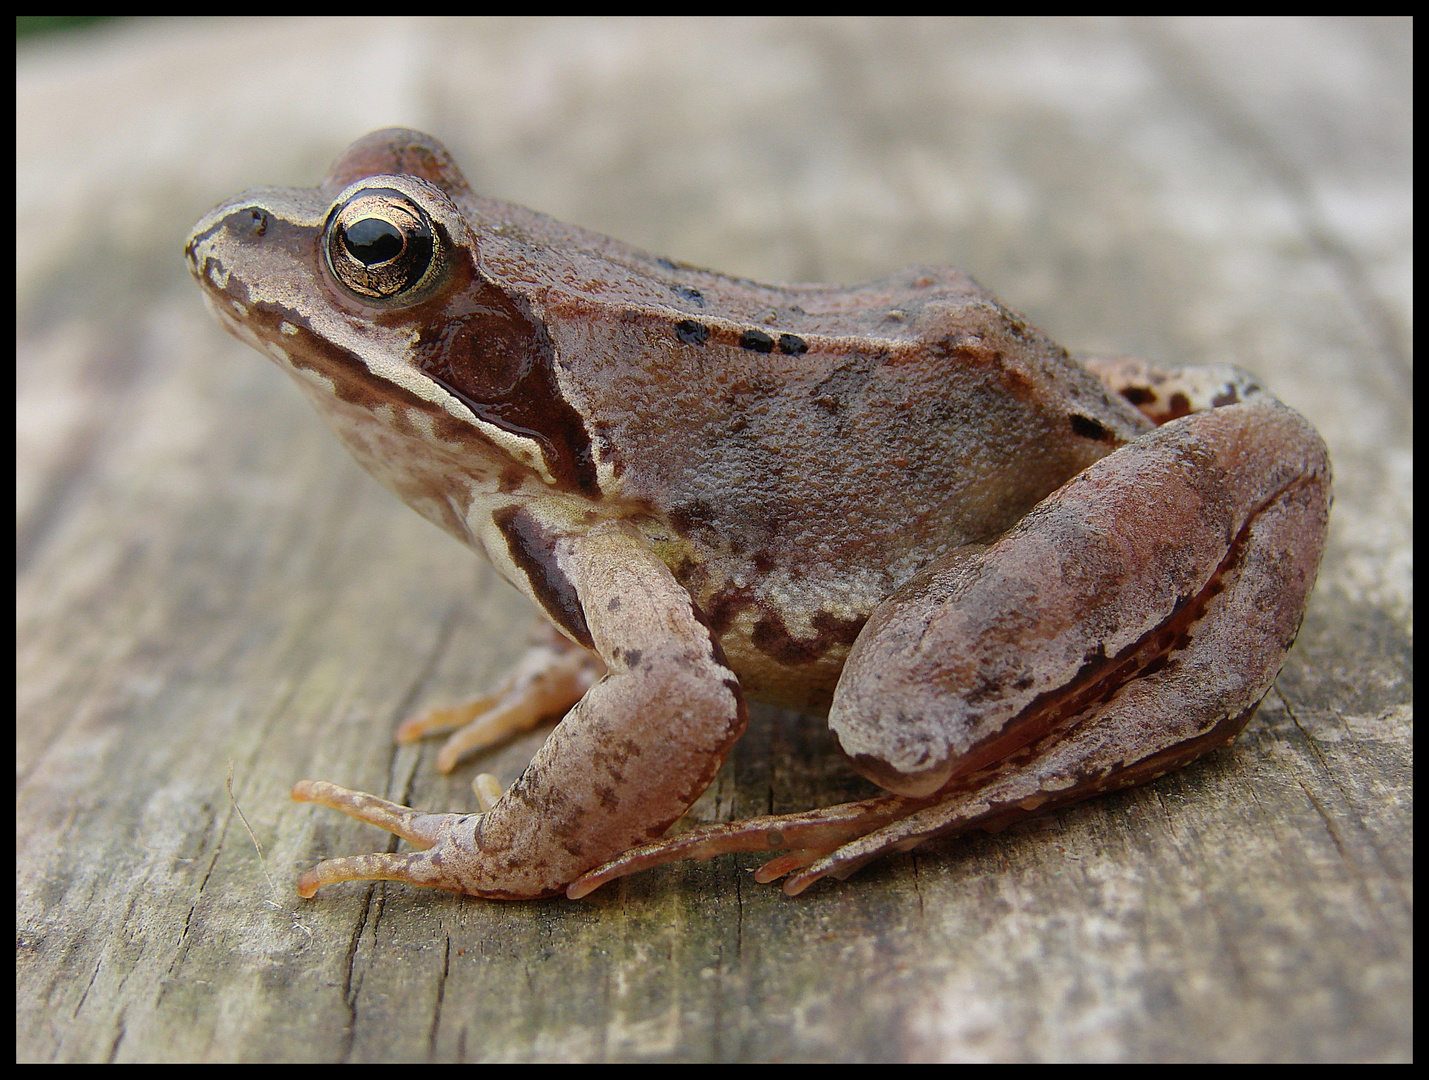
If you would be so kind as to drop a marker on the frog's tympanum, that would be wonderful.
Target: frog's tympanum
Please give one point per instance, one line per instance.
(1010, 579)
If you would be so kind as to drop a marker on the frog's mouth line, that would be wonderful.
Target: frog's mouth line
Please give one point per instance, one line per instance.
(390, 392)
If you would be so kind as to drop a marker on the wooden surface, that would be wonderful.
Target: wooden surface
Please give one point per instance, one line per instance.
(208, 585)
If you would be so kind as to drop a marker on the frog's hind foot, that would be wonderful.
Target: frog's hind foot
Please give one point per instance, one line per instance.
(805, 837)
(549, 678)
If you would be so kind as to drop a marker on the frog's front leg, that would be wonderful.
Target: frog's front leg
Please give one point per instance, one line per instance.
(1129, 624)
(624, 763)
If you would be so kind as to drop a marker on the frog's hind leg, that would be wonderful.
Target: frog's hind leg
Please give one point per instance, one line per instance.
(1110, 638)
(549, 678)
(1084, 756)
(1116, 677)
(1089, 757)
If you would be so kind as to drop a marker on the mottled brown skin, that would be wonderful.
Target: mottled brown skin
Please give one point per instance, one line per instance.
(895, 502)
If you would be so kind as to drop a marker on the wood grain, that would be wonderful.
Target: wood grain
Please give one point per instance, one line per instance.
(206, 584)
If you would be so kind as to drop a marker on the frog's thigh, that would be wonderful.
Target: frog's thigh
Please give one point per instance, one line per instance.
(1156, 592)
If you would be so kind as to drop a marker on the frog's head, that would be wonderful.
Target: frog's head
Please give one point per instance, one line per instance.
(368, 290)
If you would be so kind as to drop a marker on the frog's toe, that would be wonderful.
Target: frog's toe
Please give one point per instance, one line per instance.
(493, 727)
(420, 828)
(458, 852)
(440, 721)
(546, 682)
(416, 868)
(787, 863)
(447, 841)
(487, 789)
(805, 837)
(846, 859)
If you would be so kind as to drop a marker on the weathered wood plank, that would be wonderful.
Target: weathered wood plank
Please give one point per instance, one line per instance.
(207, 584)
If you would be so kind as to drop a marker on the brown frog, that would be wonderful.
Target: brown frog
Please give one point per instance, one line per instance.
(1011, 579)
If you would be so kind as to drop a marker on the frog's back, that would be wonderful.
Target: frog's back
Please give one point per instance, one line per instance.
(539, 256)
(748, 408)
(803, 449)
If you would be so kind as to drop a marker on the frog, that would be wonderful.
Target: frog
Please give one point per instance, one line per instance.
(1010, 578)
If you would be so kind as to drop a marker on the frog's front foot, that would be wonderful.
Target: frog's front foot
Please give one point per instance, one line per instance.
(549, 678)
(450, 855)
(466, 853)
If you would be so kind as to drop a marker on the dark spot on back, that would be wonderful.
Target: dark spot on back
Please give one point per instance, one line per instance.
(1088, 428)
(691, 332)
(756, 340)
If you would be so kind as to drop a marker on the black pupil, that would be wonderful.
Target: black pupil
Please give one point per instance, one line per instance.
(372, 241)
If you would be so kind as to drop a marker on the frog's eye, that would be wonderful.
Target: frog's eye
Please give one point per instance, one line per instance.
(382, 246)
